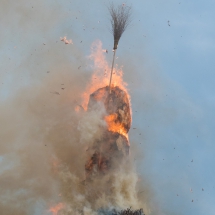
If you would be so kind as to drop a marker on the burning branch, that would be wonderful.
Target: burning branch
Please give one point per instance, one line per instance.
(120, 19)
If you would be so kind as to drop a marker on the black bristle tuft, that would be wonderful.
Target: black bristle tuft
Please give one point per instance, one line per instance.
(120, 19)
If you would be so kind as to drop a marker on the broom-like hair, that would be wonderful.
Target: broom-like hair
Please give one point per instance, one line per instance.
(120, 19)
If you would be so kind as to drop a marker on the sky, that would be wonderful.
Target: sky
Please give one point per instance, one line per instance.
(167, 55)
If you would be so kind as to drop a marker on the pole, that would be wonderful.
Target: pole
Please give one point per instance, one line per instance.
(112, 70)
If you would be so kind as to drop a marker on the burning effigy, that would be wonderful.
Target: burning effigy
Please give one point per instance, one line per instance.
(113, 145)
(109, 185)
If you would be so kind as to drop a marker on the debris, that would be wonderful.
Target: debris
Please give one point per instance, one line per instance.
(105, 50)
(168, 23)
(63, 39)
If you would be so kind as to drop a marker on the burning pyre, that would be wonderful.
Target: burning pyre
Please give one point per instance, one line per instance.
(108, 153)
(114, 142)
(112, 148)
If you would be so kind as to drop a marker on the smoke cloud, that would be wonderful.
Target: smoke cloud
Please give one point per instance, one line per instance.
(43, 153)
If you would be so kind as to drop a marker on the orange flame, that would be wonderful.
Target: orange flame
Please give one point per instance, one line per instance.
(55, 209)
(101, 75)
(114, 125)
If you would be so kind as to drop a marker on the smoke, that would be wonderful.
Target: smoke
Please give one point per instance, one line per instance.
(43, 153)
(43, 143)
(91, 124)
(43, 137)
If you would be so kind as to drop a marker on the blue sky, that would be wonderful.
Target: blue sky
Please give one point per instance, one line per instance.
(169, 71)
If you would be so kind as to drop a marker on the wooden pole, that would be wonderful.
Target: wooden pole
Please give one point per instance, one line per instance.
(112, 70)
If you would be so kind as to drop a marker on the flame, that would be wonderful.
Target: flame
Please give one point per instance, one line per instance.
(55, 209)
(101, 75)
(101, 78)
(114, 125)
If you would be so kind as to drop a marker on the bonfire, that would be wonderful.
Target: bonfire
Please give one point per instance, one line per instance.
(107, 153)
(114, 144)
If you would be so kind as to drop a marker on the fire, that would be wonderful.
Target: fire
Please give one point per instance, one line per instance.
(100, 78)
(55, 209)
(114, 125)
(101, 75)
(114, 141)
